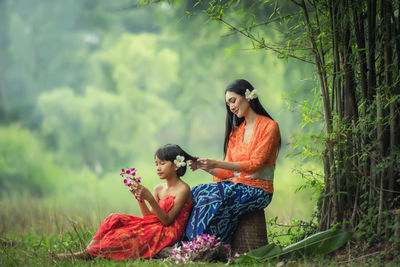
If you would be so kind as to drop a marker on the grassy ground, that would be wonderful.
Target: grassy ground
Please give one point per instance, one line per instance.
(29, 249)
(66, 222)
(26, 243)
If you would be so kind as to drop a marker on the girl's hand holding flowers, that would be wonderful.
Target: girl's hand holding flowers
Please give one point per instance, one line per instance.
(141, 192)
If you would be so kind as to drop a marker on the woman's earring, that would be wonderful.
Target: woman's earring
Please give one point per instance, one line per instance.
(234, 120)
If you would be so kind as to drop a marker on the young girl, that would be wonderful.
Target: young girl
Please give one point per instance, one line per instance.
(122, 236)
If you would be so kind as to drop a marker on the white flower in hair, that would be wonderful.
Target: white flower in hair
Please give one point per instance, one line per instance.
(180, 161)
(251, 94)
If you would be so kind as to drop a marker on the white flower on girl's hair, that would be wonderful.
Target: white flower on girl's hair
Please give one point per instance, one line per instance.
(251, 94)
(180, 161)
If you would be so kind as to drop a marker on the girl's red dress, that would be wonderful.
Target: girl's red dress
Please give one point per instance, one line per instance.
(124, 236)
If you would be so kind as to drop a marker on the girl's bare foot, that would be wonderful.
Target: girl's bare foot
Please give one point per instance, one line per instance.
(52, 254)
(93, 242)
(82, 255)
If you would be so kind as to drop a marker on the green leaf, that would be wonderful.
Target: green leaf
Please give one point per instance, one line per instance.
(319, 243)
(269, 250)
(244, 259)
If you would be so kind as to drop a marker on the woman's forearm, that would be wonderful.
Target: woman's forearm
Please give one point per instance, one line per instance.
(232, 166)
(210, 164)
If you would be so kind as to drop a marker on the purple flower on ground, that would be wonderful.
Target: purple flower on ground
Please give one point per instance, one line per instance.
(192, 250)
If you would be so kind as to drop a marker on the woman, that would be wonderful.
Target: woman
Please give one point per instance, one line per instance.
(244, 181)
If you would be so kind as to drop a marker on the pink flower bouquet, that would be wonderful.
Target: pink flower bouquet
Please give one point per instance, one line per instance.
(130, 179)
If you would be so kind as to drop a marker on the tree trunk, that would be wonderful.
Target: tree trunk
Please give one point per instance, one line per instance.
(371, 16)
(322, 79)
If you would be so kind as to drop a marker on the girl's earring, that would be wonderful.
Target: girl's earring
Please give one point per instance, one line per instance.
(234, 120)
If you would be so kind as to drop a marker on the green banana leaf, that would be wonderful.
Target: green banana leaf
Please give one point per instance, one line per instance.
(319, 243)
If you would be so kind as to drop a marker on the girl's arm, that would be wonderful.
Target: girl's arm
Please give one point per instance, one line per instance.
(143, 207)
(166, 218)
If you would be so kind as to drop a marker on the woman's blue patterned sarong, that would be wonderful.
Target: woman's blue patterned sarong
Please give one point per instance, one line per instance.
(217, 206)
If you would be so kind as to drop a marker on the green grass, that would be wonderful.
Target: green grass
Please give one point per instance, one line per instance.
(66, 220)
(30, 249)
(29, 232)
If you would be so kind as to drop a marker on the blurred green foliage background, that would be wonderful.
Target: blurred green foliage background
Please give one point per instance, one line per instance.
(89, 87)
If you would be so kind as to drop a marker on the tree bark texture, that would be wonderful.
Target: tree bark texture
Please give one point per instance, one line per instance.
(362, 161)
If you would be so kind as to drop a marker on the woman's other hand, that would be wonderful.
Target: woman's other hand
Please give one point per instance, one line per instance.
(193, 164)
(141, 192)
(207, 164)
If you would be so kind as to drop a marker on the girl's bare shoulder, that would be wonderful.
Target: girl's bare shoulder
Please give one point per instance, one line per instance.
(184, 189)
(184, 186)
(159, 187)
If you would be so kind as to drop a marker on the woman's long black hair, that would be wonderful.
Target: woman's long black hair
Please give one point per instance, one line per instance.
(239, 87)
(169, 152)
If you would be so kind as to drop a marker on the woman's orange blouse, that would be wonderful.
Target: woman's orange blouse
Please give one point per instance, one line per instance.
(261, 150)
